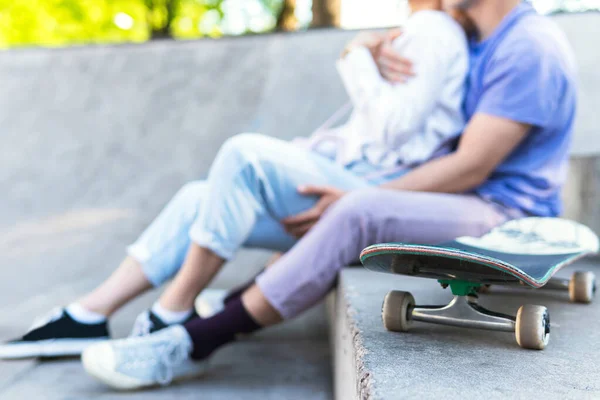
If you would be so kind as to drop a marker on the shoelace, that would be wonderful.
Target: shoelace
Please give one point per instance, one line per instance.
(165, 353)
(142, 325)
(51, 316)
(174, 353)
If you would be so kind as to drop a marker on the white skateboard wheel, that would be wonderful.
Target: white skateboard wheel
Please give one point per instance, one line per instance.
(533, 327)
(582, 287)
(397, 311)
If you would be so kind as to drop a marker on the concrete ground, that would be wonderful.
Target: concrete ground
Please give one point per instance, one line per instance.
(434, 361)
(53, 251)
(291, 361)
(49, 256)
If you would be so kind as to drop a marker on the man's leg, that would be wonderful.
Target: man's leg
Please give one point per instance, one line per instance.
(301, 278)
(304, 275)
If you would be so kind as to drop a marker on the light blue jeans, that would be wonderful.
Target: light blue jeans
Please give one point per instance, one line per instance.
(252, 185)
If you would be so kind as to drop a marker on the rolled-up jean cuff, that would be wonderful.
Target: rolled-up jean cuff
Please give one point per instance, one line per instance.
(141, 254)
(209, 241)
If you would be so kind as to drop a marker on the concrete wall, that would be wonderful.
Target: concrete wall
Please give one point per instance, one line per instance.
(582, 192)
(95, 140)
(583, 31)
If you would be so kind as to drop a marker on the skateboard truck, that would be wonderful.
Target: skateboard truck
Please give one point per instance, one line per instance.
(531, 325)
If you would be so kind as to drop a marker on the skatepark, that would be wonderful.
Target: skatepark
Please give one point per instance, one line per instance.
(96, 140)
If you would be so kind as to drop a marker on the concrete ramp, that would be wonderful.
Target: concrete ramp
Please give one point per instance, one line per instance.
(95, 140)
(581, 30)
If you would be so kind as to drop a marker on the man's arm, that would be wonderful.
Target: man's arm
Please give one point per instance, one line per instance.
(487, 141)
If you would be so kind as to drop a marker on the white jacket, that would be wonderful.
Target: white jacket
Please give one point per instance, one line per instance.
(403, 123)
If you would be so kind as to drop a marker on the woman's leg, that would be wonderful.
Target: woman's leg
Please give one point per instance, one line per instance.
(159, 252)
(155, 257)
(253, 178)
(124, 284)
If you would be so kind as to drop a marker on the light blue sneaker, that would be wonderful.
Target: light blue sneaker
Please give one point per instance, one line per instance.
(138, 362)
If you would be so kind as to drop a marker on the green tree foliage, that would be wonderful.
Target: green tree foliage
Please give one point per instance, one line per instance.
(59, 22)
(63, 22)
(214, 18)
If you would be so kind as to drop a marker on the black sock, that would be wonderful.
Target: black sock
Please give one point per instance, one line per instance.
(211, 333)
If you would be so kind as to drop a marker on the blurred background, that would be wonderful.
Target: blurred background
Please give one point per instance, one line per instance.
(74, 22)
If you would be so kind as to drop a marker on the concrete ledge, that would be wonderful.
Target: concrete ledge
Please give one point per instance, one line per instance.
(433, 360)
(581, 193)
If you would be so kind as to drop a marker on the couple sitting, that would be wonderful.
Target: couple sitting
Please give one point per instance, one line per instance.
(403, 168)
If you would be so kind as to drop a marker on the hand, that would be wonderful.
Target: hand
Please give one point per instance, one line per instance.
(299, 224)
(372, 41)
(392, 66)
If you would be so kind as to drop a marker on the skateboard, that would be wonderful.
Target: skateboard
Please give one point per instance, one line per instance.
(524, 252)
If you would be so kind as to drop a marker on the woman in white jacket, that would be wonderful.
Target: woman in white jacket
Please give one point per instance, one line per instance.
(252, 198)
(397, 126)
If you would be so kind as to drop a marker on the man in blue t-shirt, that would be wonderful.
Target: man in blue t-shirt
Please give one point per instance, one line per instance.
(520, 104)
(520, 101)
(524, 72)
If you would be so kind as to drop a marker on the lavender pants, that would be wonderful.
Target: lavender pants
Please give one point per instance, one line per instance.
(304, 275)
(253, 184)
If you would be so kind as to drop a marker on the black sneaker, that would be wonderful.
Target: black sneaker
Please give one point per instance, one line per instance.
(55, 335)
(148, 322)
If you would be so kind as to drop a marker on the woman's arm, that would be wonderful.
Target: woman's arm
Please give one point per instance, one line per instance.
(379, 45)
(487, 141)
(401, 108)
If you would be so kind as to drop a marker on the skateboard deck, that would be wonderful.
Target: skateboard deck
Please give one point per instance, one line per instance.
(528, 250)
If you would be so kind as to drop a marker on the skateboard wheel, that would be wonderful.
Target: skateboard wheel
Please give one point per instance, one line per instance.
(533, 327)
(397, 311)
(582, 287)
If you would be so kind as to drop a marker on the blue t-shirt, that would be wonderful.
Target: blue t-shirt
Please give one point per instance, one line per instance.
(525, 72)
